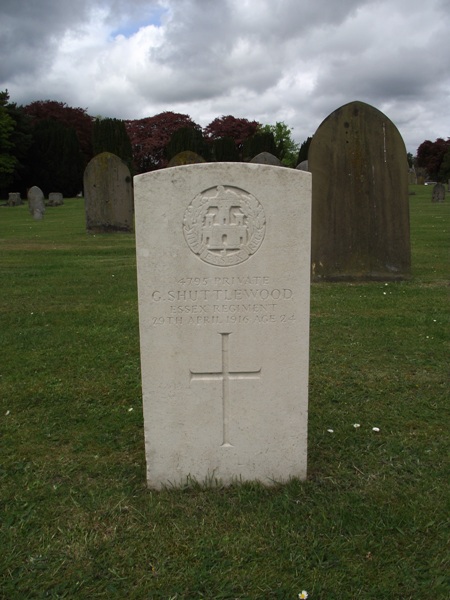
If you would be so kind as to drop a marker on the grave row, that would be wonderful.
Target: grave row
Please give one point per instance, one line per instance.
(225, 256)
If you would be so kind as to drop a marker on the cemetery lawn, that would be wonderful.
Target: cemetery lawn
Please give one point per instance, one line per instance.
(77, 520)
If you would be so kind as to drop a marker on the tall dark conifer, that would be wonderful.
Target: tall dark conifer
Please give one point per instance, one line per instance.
(55, 160)
(110, 135)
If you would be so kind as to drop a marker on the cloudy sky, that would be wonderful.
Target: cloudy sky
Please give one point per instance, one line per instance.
(270, 60)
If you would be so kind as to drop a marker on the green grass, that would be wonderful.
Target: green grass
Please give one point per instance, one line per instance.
(78, 522)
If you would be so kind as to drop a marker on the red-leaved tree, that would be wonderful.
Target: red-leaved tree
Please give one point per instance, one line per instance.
(76, 118)
(431, 154)
(231, 127)
(150, 136)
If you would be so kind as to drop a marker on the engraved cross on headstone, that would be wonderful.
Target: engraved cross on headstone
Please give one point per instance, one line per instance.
(225, 375)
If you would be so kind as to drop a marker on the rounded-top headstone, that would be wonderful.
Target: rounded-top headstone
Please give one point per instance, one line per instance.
(438, 193)
(187, 157)
(266, 158)
(36, 203)
(360, 209)
(108, 195)
(303, 166)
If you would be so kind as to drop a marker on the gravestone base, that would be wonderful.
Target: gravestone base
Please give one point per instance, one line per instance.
(223, 254)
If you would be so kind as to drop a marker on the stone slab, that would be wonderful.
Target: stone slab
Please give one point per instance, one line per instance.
(360, 205)
(14, 199)
(438, 194)
(108, 195)
(223, 257)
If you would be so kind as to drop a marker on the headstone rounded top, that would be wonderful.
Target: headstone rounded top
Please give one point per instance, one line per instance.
(35, 192)
(187, 157)
(266, 158)
(104, 157)
(360, 208)
(36, 203)
(303, 166)
(355, 109)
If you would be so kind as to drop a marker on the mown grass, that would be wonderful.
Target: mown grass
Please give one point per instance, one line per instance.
(370, 522)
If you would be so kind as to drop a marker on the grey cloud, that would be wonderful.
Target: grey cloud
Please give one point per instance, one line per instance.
(291, 60)
(29, 32)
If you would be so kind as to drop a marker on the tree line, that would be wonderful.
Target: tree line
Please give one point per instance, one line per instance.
(48, 143)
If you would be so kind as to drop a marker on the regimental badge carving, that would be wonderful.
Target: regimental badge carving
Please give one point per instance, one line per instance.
(224, 225)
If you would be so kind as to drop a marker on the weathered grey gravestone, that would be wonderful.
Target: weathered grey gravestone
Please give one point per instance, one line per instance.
(14, 199)
(303, 166)
(223, 254)
(55, 199)
(266, 158)
(36, 204)
(438, 193)
(360, 211)
(187, 157)
(108, 194)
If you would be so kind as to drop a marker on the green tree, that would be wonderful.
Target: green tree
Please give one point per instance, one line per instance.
(187, 138)
(237, 129)
(55, 159)
(444, 170)
(430, 156)
(262, 141)
(303, 152)
(8, 162)
(224, 150)
(110, 135)
(410, 159)
(286, 147)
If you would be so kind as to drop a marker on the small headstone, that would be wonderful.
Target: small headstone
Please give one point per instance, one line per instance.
(36, 204)
(360, 205)
(438, 193)
(412, 176)
(223, 275)
(187, 157)
(14, 199)
(303, 166)
(55, 199)
(266, 158)
(108, 194)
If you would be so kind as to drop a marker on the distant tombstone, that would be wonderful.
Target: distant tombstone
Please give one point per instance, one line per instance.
(36, 204)
(14, 199)
(223, 255)
(55, 199)
(266, 158)
(360, 209)
(108, 195)
(438, 193)
(303, 166)
(412, 176)
(187, 157)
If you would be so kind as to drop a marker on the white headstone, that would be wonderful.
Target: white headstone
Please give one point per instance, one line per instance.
(223, 254)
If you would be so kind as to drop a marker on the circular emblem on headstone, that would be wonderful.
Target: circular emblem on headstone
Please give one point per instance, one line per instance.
(224, 225)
